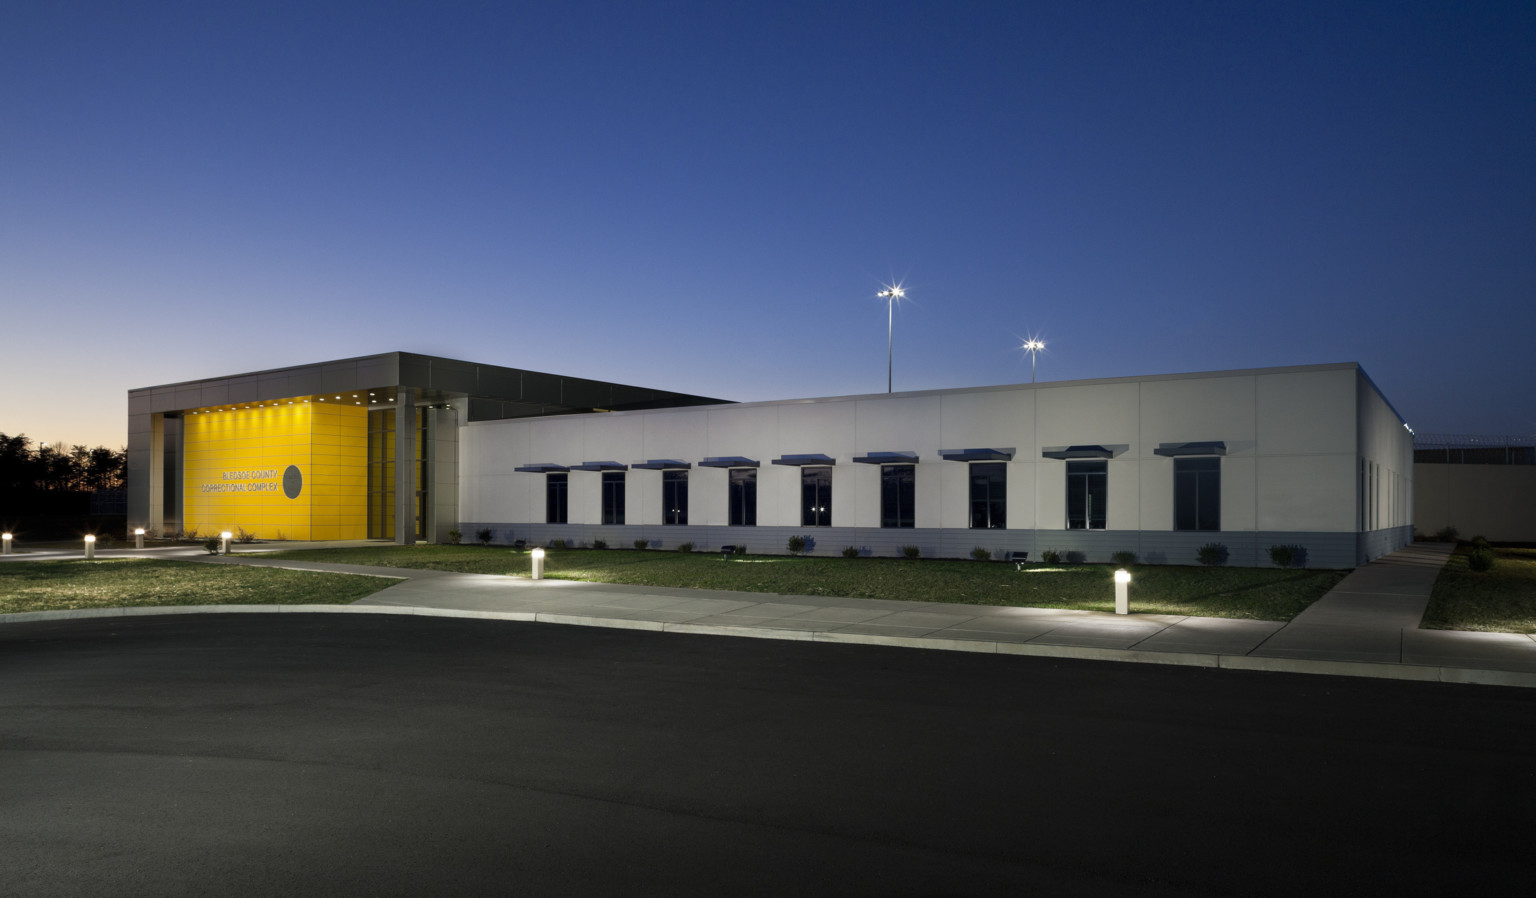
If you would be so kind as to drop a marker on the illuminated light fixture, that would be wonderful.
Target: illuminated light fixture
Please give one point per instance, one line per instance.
(892, 295)
(1122, 590)
(538, 564)
(1033, 346)
(338, 397)
(5, 544)
(138, 538)
(225, 538)
(90, 546)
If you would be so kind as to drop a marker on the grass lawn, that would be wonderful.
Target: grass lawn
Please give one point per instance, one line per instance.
(123, 582)
(1500, 600)
(1260, 594)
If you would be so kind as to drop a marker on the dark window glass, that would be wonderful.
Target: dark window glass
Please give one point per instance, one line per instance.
(613, 497)
(897, 492)
(1087, 494)
(989, 495)
(554, 498)
(743, 497)
(815, 497)
(674, 497)
(1197, 494)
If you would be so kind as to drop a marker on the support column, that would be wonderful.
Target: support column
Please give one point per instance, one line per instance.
(156, 472)
(405, 467)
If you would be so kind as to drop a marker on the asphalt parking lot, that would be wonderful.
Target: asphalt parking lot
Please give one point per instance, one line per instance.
(380, 755)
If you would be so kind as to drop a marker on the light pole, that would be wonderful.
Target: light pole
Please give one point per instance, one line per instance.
(890, 295)
(1033, 346)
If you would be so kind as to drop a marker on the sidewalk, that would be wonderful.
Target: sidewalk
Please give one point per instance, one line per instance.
(1366, 626)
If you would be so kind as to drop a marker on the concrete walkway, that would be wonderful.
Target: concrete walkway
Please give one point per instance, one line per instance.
(1366, 626)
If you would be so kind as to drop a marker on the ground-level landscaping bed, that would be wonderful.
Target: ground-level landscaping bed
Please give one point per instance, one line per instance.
(1254, 593)
(1501, 599)
(128, 582)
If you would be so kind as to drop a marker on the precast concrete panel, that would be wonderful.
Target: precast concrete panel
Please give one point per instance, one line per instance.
(778, 496)
(613, 437)
(1197, 409)
(1306, 412)
(1051, 495)
(752, 432)
(955, 489)
(1155, 476)
(708, 495)
(1091, 414)
(821, 427)
(1023, 493)
(584, 497)
(1238, 493)
(1124, 511)
(557, 441)
(898, 424)
(928, 492)
(1305, 492)
(864, 484)
(642, 498)
(680, 435)
(989, 420)
(843, 496)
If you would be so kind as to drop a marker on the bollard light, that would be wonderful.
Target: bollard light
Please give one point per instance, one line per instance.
(226, 536)
(6, 539)
(138, 538)
(90, 547)
(1122, 592)
(538, 564)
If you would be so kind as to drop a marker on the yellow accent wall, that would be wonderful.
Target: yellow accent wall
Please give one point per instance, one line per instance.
(235, 462)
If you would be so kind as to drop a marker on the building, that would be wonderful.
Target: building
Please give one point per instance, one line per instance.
(1478, 485)
(1312, 456)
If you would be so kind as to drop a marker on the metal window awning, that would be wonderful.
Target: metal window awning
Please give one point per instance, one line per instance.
(1207, 447)
(976, 454)
(798, 460)
(662, 464)
(1075, 452)
(542, 469)
(728, 461)
(599, 466)
(887, 458)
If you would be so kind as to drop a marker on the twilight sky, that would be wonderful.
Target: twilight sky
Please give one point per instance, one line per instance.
(707, 196)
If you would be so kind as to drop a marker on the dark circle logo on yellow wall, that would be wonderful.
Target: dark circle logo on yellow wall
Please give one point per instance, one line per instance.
(293, 482)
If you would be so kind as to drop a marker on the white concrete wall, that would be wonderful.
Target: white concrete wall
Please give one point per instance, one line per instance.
(1291, 437)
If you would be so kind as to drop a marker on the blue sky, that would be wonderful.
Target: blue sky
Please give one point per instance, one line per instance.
(707, 196)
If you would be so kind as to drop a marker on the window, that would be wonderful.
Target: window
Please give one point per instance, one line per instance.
(989, 499)
(613, 497)
(897, 495)
(1087, 494)
(815, 497)
(1197, 494)
(554, 498)
(674, 497)
(743, 497)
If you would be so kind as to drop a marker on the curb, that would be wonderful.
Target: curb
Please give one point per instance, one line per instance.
(1367, 669)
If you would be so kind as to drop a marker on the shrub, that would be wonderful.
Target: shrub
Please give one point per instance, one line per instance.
(1050, 556)
(1282, 556)
(741, 548)
(1076, 557)
(1212, 554)
(599, 544)
(279, 536)
(642, 543)
(212, 544)
(243, 535)
(1446, 534)
(455, 537)
(1480, 560)
(850, 551)
(1123, 558)
(796, 545)
(484, 535)
(186, 534)
(557, 544)
(1479, 542)
(911, 551)
(685, 547)
(981, 554)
